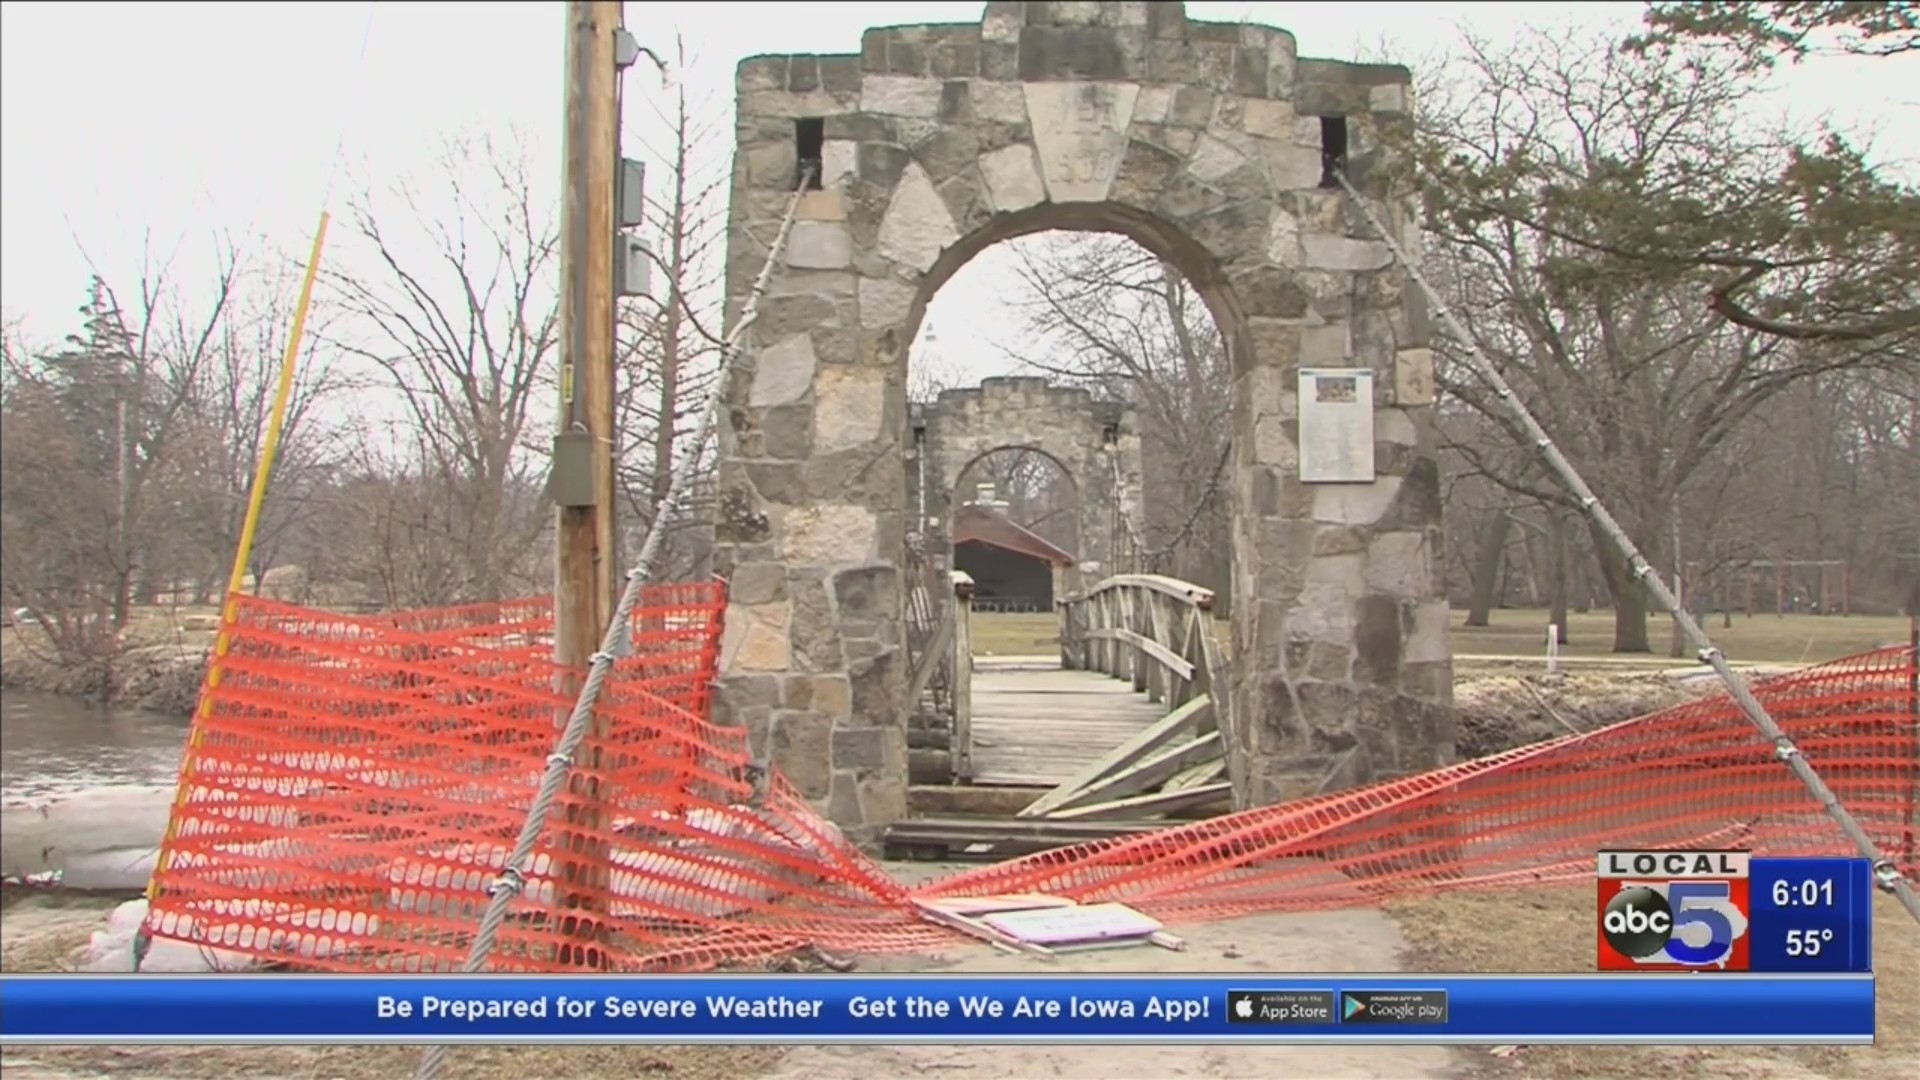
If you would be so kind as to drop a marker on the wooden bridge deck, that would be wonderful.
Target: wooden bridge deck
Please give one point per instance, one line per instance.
(1037, 726)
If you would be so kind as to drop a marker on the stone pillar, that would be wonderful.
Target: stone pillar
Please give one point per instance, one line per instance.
(1342, 671)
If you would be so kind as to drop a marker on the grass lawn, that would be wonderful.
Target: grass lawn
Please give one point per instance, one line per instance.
(1521, 633)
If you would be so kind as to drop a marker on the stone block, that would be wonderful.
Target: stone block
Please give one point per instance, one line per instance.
(783, 372)
(822, 206)
(1427, 639)
(820, 245)
(1271, 292)
(760, 73)
(849, 407)
(1268, 119)
(999, 102)
(1293, 168)
(1355, 504)
(755, 638)
(1283, 238)
(1390, 98)
(757, 583)
(802, 750)
(1003, 22)
(1413, 380)
(1327, 252)
(862, 749)
(1053, 52)
(917, 225)
(829, 535)
(1152, 105)
(884, 302)
(1012, 178)
(1325, 346)
(1399, 564)
(900, 95)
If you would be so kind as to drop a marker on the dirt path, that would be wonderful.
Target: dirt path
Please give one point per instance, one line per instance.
(1357, 940)
(44, 938)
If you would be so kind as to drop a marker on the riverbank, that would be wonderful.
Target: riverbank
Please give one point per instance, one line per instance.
(1496, 711)
(162, 677)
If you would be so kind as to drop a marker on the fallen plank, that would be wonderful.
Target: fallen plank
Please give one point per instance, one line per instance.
(975, 830)
(1161, 802)
(1163, 731)
(1204, 773)
(1151, 773)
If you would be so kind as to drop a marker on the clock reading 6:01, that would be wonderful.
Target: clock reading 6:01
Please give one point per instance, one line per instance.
(1809, 893)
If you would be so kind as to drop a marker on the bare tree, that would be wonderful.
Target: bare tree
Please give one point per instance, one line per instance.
(233, 403)
(460, 319)
(1642, 388)
(1114, 317)
(670, 343)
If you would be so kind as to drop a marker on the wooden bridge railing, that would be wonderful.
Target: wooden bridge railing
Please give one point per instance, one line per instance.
(1157, 632)
(940, 690)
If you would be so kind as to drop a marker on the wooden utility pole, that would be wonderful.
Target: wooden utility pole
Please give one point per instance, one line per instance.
(585, 556)
(583, 467)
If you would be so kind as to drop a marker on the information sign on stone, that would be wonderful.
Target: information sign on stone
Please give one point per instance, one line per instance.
(1336, 425)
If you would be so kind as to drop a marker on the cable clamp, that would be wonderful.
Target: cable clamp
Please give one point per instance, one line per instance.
(600, 656)
(564, 761)
(511, 881)
(1887, 875)
(1784, 749)
(1709, 655)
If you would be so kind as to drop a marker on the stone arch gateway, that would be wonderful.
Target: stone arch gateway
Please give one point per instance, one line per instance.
(1094, 444)
(1207, 144)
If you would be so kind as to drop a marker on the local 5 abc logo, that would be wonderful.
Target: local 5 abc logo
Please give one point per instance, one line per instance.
(1688, 923)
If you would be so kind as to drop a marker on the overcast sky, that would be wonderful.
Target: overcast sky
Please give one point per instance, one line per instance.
(184, 119)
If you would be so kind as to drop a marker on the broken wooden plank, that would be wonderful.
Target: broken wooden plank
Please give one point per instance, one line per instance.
(930, 659)
(1043, 830)
(1160, 802)
(1162, 731)
(1151, 773)
(1204, 773)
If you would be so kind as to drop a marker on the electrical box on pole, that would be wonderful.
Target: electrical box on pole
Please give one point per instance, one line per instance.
(632, 202)
(632, 266)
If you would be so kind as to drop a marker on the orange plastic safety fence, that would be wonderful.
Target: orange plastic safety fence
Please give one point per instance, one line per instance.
(359, 782)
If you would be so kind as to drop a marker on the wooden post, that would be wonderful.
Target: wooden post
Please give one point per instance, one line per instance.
(961, 682)
(584, 553)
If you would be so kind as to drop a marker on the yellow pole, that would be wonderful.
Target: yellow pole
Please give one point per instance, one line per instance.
(256, 499)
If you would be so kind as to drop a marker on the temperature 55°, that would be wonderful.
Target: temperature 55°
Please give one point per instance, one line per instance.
(1808, 942)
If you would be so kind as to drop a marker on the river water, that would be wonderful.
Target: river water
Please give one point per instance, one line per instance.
(51, 744)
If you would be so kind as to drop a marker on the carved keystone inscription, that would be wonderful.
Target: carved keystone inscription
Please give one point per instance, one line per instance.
(1080, 133)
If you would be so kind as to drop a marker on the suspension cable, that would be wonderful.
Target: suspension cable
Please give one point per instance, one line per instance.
(1886, 872)
(512, 878)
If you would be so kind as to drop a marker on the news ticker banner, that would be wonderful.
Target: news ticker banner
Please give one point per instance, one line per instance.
(1726, 911)
(1532, 1009)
